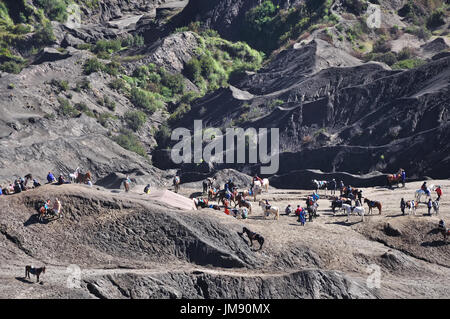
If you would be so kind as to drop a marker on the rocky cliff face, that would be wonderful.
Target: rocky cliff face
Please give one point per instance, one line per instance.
(335, 110)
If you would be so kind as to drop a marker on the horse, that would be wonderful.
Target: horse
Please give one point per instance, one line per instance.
(208, 184)
(212, 193)
(349, 209)
(394, 179)
(83, 178)
(263, 185)
(373, 204)
(73, 176)
(223, 194)
(320, 185)
(253, 236)
(34, 271)
(256, 190)
(420, 192)
(412, 205)
(243, 203)
(312, 211)
(176, 184)
(337, 203)
(267, 211)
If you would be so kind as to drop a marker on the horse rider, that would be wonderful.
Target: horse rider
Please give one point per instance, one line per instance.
(403, 205)
(424, 187)
(257, 178)
(439, 193)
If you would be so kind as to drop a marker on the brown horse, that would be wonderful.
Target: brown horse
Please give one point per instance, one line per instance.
(243, 203)
(34, 271)
(373, 204)
(83, 178)
(394, 179)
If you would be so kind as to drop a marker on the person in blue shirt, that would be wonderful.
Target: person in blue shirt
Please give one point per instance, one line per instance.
(51, 178)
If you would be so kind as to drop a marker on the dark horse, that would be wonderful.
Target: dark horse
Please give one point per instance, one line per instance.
(253, 236)
(34, 271)
(222, 195)
(373, 204)
(337, 203)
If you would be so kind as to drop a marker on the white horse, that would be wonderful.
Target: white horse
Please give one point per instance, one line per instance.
(358, 209)
(264, 185)
(256, 190)
(272, 210)
(320, 185)
(421, 192)
(73, 177)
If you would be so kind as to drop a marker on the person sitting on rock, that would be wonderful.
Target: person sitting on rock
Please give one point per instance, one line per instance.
(61, 180)
(441, 225)
(36, 183)
(50, 178)
(147, 189)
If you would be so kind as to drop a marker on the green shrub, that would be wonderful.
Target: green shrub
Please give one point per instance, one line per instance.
(109, 46)
(11, 67)
(83, 85)
(130, 142)
(60, 85)
(117, 84)
(54, 9)
(408, 64)
(145, 100)
(436, 19)
(44, 35)
(92, 65)
(66, 109)
(135, 119)
(109, 103)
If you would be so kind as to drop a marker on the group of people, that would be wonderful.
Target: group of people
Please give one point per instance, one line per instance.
(302, 212)
(49, 209)
(19, 185)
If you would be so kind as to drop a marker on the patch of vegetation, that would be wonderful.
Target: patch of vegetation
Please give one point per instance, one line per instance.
(11, 67)
(54, 9)
(408, 64)
(82, 107)
(135, 119)
(218, 60)
(130, 142)
(59, 85)
(92, 65)
(145, 100)
(267, 27)
(66, 109)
